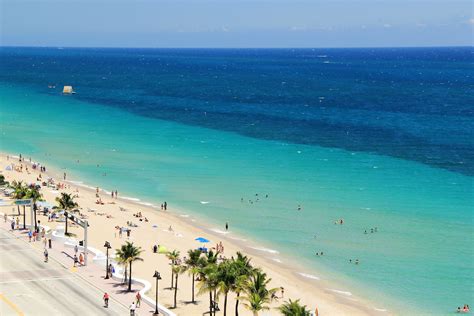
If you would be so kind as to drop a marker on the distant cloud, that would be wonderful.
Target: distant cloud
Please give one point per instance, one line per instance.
(386, 25)
(470, 21)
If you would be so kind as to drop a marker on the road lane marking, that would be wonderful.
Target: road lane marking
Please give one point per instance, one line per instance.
(38, 280)
(12, 305)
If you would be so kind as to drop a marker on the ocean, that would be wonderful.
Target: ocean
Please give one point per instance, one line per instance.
(280, 144)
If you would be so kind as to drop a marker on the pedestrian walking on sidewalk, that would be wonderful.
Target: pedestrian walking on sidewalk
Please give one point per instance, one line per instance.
(5, 217)
(17, 222)
(76, 249)
(132, 309)
(30, 235)
(139, 299)
(45, 255)
(12, 225)
(106, 300)
(75, 261)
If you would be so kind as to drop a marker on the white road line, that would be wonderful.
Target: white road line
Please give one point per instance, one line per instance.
(38, 280)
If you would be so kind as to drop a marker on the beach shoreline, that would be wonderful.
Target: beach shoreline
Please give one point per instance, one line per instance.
(299, 281)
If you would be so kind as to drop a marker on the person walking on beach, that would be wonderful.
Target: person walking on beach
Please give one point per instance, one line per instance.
(106, 300)
(116, 193)
(165, 206)
(64, 176)
(139, 299)
(45, 252)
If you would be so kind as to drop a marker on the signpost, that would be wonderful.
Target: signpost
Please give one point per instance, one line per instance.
(84, 224)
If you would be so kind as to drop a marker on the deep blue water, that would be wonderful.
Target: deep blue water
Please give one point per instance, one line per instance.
(411, 103)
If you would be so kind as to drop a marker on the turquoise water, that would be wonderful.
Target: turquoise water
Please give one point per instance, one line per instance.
(421, 256)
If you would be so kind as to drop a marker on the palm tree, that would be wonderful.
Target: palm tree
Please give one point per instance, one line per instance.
(177, 270)
(34, 194)
(294, 308)
(227, 274)
(66, 202)
(244, 270)
(208, 281)
(257, 295)
(192, 266)
(128, 253)
(173, 256)
(19, 191)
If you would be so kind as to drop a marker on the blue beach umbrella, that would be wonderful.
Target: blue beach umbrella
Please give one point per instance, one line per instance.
(202, 239)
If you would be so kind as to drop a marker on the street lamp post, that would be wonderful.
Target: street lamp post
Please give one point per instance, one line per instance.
(158, 277)
(107, 246)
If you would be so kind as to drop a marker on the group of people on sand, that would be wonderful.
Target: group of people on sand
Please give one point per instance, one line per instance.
(140, 216)
(465, 309)
(220, 247)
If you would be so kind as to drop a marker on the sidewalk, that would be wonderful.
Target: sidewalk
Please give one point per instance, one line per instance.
(93, 273)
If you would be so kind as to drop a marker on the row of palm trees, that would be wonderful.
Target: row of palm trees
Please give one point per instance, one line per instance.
(220, 277)
(23, 191)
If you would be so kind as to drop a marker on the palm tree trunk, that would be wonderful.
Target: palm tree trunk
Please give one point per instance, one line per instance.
(237, 304)
(34, 214)
(172, 274)
(175, 289)
(255, 313)
(18, 207)
(225, 304)
(24, 217)
(210, 302)
(193, 290)
(130, 278)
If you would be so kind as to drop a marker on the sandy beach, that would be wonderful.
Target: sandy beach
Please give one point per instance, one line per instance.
(169, 229)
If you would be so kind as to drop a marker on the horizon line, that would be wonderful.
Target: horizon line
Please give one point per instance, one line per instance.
(236, 48)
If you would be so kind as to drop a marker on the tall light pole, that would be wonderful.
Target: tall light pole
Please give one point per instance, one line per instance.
(158, 277)
(107, 246)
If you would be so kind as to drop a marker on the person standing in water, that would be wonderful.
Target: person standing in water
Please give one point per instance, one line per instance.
(226, 226)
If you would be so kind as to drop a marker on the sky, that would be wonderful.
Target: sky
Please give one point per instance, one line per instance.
(236, 23)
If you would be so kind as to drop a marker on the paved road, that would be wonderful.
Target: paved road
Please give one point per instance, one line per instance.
(28, 286)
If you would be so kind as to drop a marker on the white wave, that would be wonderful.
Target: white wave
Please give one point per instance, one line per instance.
(380, 309)
(238, 239)
(184, 215)
(309, 276)
(216, 230)
(145, 203)
(131, 199)
(265, 250)
(75, 182)
(204, 202)
(277, 260)
(346, 293)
